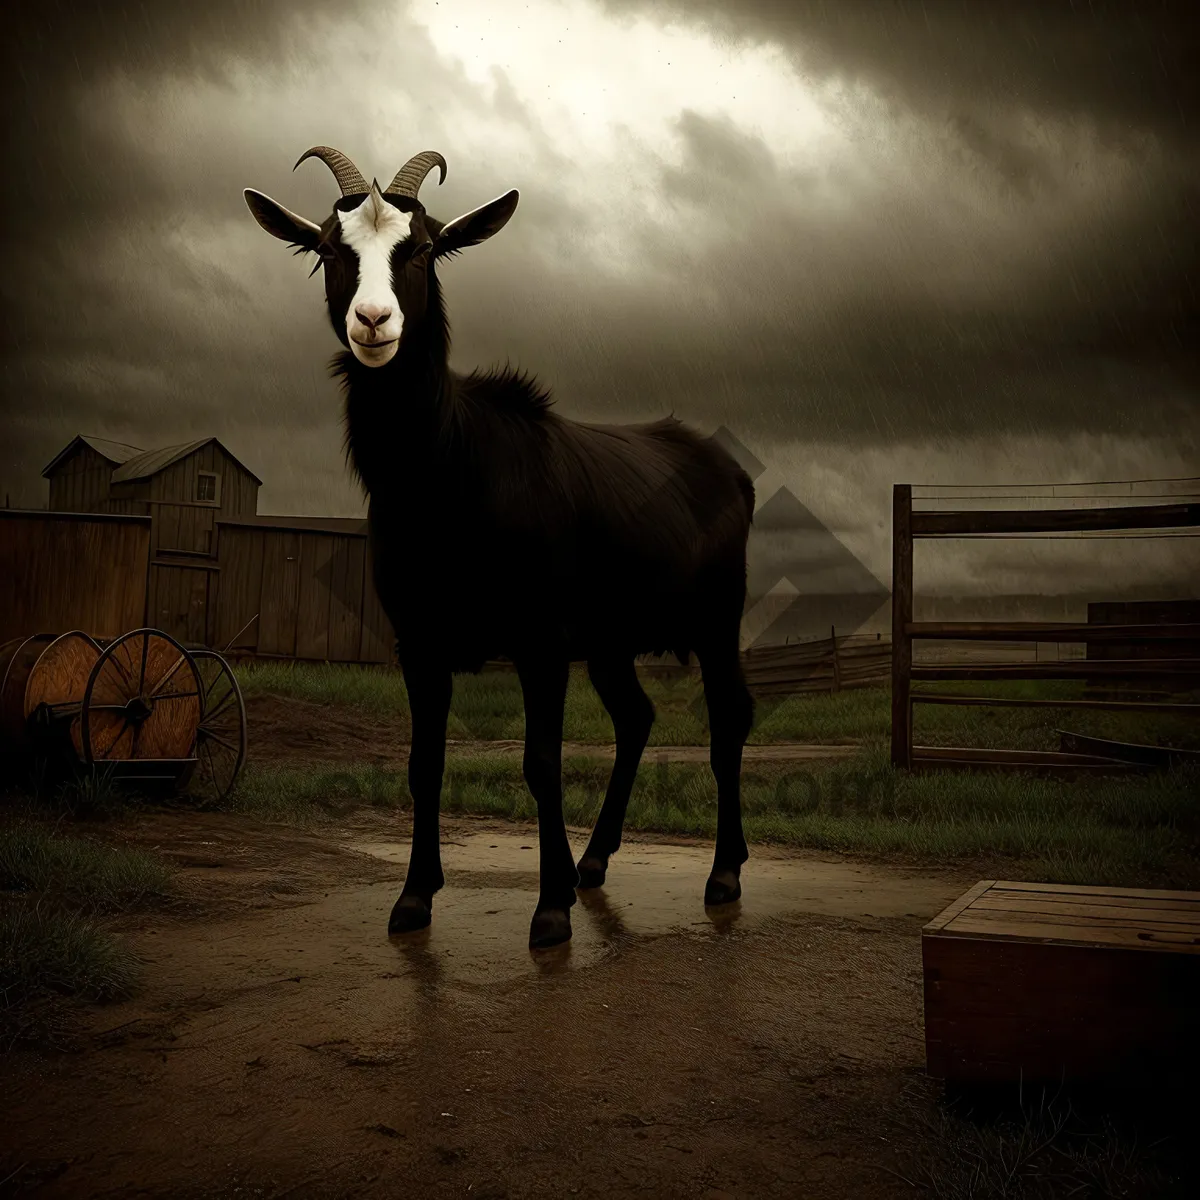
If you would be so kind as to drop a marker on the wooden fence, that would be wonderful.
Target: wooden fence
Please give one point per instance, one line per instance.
(907, 525)
(301, 593)
(296, 591)
(830, 664)
(64, 571)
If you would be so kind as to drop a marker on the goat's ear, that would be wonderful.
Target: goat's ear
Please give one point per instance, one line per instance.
(281, 222)
(476, 226)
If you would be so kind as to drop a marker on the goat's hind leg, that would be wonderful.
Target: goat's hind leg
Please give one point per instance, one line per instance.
(429, 692)
(632, 712)
(730, 718)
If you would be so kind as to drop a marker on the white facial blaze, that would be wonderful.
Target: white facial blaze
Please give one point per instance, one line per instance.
(372, 231)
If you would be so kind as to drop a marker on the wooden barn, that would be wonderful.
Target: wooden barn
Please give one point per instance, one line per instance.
(185, 490)
(217, 573)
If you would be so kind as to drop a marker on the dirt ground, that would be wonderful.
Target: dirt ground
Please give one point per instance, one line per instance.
(283, 1046)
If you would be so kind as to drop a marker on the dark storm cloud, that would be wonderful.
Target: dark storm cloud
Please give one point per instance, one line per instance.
(1130, 62)
(1029, 267)
(1122, 288)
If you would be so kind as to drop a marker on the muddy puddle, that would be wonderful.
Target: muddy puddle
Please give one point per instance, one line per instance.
(481, 918)
(288, 1047)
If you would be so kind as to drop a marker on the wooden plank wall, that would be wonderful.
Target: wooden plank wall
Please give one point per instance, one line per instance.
(184, 567)
(68, 571)
(81, 483)
(298, 593)
(184, 523)
(177, 600)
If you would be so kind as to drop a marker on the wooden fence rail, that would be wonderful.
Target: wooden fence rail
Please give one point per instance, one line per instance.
(823, 665)
(1164, 663)
(829, 665)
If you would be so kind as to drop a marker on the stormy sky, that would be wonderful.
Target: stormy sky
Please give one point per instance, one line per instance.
(934, 242)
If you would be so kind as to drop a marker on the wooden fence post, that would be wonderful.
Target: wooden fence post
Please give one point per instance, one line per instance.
(837, 675)
(902, 605)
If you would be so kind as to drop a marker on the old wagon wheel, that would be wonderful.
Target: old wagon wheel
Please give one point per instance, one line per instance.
(142, 701)
(43, 678)
(221, 736)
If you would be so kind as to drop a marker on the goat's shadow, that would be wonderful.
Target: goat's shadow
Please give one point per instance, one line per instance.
(424, 966)
(604, 917)
(611, 926)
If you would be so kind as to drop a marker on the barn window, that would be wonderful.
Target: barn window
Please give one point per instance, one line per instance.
(208, 487)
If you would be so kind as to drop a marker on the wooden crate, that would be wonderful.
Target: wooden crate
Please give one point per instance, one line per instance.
(1040, 982)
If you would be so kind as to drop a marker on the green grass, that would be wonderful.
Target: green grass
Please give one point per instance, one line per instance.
(1042, 1148)
(1137, 830)
(489, 706)
(64, 953)
(304, 796)
(376, 690)
(53, 949)
(79, 871)
(1130, 829)
(49, 958)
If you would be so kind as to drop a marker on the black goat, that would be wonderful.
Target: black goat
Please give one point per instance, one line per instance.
(500, 529)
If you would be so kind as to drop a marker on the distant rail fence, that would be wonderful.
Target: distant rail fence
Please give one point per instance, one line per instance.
(1171, 668)
(831, 664)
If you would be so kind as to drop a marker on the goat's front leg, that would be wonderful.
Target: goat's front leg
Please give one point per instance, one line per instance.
(429, 691)
(544, 684)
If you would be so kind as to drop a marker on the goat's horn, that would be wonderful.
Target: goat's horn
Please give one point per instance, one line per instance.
(409, 178)
(349, 177)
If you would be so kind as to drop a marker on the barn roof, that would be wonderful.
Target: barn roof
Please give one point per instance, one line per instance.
(150, 462)
(116, 452)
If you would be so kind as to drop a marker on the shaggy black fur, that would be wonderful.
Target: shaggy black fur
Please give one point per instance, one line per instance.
(499, 528)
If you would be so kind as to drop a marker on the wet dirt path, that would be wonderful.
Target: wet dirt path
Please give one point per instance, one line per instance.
(292, 1049)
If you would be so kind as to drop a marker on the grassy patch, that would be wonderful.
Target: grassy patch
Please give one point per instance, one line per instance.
(374, 689)
(49, 958)
(305, 796)
(1040, 1150)
(78, 871)
(53, 950)
(1036, 728)
(62, 952)
(489, 706)
(1138, 830)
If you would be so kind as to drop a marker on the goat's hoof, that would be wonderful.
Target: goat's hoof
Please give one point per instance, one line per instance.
(723, 887)
(549, 927)
(410, 913)
(592, 871)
